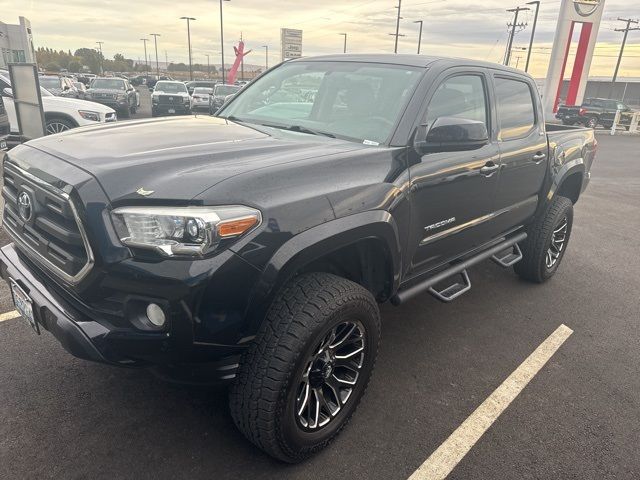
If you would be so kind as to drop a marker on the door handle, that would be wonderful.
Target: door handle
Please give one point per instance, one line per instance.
(489, 168)
(538, 157)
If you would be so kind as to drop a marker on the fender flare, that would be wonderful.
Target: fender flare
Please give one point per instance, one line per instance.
(60, 115)
(565, 171)
(315, 243)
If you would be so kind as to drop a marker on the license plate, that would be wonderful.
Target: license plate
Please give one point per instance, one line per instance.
(172, 110)
(3, 145)
(24, 305)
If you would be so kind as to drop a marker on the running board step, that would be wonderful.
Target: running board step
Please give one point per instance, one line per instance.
(509, 259)
(453, 291)
(456, 268)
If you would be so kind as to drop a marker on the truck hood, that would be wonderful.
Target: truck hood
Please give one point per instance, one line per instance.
(179, 157)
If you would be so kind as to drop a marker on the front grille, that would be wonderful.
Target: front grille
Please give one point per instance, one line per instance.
(43, 220)
(170, 100)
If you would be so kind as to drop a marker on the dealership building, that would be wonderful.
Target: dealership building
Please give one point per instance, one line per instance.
(16, 43)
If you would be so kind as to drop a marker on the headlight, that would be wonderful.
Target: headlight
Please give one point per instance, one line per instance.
(121, 96)
(193, 231)
(88, 115)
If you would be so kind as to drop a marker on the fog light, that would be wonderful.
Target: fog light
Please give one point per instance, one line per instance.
(155, 314)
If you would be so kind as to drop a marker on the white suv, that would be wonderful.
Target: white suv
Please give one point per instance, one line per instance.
(60, 113)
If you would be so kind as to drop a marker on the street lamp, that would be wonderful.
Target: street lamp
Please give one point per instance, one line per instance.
(146, 62)
(419, 35)
(101, 58)
(345, 42)
(533, 32)
(266, 56)
(155, 40)
(222, 39)
(188, 19)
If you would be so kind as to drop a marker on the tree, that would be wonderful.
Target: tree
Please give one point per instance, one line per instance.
(52, 67)
(74, 66)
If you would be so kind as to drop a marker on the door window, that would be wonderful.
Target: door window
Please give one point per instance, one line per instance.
(516, 112)
(463, 96)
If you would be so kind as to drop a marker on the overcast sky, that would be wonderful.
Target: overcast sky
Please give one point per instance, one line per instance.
(451, 27)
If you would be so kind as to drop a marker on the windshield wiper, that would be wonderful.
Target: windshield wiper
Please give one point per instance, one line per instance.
(300, 129)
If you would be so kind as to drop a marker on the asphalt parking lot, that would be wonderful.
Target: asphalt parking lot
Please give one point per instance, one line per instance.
(578, 418)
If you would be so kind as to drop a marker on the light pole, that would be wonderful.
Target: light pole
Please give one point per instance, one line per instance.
(101, 58)
(155, 40)
(146, 62)
(533, 32)
(344, 50)
(222, 39)
(208, 67)
(188, 19)
(419, 35)
(266, 57)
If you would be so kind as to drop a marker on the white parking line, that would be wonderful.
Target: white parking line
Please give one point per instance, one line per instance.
(9, 316)
(453, 450)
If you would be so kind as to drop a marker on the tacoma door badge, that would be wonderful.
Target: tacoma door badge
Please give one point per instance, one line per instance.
(143, 192)
(437, 225)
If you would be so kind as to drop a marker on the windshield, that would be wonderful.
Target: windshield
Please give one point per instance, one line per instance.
(357, 101)
(170, 87)
(50, 82)
(202, 90)
(224, 90)
(108, 84)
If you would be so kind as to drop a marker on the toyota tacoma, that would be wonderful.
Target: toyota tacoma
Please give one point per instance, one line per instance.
(253, 249)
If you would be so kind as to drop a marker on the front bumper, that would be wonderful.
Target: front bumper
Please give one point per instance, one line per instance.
(162, 108)
(85, 335)
(115, 104)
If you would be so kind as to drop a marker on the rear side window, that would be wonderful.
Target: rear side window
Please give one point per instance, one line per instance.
(516, 112)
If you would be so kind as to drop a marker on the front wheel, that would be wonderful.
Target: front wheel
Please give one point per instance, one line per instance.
(547, 242)
(304, 374)
(57, 125)
(592, 122)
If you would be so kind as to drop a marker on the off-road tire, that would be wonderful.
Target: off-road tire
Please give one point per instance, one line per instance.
(532, 267)
(262, 398)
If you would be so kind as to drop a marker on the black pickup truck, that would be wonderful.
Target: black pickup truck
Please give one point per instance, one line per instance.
(253, 248)
(594, 112)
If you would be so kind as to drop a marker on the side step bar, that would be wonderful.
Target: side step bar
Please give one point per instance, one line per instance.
(457, 268)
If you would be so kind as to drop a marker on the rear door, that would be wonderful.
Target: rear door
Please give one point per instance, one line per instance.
(451, 194)
(523, 149)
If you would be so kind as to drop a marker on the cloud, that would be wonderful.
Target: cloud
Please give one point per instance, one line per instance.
(451, 27)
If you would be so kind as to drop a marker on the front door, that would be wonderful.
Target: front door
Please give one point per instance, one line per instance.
(452, 192)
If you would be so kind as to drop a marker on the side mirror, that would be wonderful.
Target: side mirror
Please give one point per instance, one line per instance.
(7, 92)
(451, 134)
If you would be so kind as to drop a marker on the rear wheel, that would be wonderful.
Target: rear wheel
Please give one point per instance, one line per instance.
(592, 122)
(302, 378)
(547, 242)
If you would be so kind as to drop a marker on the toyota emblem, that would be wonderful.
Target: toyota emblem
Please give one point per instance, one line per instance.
(24, 206)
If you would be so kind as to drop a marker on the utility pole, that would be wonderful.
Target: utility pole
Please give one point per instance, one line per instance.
(155, 40)
(513, 26)
(344, 50)
(146, 62)
(626, 31)
(222, 39)
(397, 34)
(208, 66)
(533, 32)
(419, 35)
(166, 60)
(266, 57)
(101, 58)
(188, 19)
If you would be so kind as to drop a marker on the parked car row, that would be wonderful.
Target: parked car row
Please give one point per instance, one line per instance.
(60, 113)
